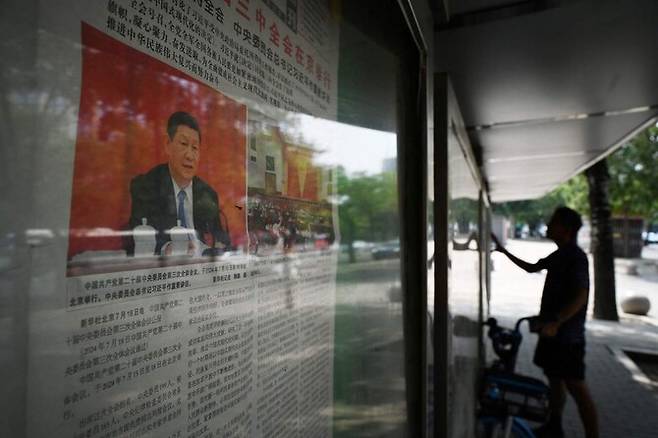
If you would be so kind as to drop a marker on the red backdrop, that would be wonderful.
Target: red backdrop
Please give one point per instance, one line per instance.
(125, 101)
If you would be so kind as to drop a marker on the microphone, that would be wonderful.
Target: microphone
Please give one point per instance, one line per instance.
(226, 230)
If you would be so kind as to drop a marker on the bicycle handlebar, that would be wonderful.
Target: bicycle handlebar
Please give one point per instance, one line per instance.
(533, 322)
(506, 341)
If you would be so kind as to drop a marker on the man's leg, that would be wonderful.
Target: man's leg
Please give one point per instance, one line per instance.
(580, 392)
(558, 396)
(547, 357)
(556, 402)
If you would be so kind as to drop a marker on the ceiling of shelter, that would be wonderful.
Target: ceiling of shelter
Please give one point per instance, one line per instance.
(547, 91)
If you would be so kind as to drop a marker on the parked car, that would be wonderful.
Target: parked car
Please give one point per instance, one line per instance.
(362, 251)
(651, 235)
(386, 250)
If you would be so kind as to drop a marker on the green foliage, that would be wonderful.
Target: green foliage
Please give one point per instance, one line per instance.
(464, 212)
(574, 194)
(368, 206)
(633, 180)
(532, 212)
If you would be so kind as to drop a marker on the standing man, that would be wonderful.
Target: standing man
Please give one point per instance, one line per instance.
(171, 193)
(561, 347)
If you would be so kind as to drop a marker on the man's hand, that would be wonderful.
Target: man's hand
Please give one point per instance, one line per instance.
(528, 267)
(192, 247)
(550, 329)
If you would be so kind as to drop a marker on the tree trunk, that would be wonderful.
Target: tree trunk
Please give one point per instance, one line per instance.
(350, 251)
(350, 240)
(605, 300)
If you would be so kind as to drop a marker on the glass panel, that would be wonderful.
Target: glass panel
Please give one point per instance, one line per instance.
(463, 291)
(368, 362)
(431, 351)
(200, 229)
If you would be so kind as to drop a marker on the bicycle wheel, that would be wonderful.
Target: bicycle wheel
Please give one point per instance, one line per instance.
(494, 427)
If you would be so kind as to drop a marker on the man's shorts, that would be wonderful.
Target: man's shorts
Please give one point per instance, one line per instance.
(561, 360)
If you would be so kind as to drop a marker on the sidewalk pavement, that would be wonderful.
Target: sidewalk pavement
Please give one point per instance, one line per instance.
(627, 401)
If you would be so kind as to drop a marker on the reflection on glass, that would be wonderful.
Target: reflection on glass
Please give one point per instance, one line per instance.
(188, 262)
(289, 192)
(179, 254)
(464, 280)
(368, 361)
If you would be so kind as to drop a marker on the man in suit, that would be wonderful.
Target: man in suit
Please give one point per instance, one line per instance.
(171, 192)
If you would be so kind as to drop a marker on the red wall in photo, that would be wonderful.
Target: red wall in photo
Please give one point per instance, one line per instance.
(125, 101)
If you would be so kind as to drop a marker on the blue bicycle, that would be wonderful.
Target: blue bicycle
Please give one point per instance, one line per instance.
(508, 399)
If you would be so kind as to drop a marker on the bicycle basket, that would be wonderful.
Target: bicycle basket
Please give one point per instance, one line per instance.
(505, 394)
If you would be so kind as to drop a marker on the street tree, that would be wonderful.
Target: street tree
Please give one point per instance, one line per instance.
(601, 246)
(633, 181)
(367, 207)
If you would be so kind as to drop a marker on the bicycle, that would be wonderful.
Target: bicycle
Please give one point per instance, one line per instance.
(506, 398)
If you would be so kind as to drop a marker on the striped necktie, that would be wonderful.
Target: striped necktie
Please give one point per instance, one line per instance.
(182, 217)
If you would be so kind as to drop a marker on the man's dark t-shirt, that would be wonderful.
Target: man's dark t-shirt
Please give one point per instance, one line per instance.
(568, 272)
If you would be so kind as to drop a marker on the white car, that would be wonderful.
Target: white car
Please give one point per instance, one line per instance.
(650, 237)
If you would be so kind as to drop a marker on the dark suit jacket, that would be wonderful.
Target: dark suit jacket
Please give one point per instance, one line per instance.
(153, 198)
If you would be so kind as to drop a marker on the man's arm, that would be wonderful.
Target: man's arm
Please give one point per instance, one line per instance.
(136, 213)
(526, 266)
(551, 328)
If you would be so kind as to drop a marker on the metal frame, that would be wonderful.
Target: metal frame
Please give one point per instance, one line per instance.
(447, 120)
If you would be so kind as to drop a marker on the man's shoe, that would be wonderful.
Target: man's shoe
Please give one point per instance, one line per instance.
(548, 431)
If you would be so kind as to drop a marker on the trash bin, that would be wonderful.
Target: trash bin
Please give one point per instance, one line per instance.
(627, 236)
